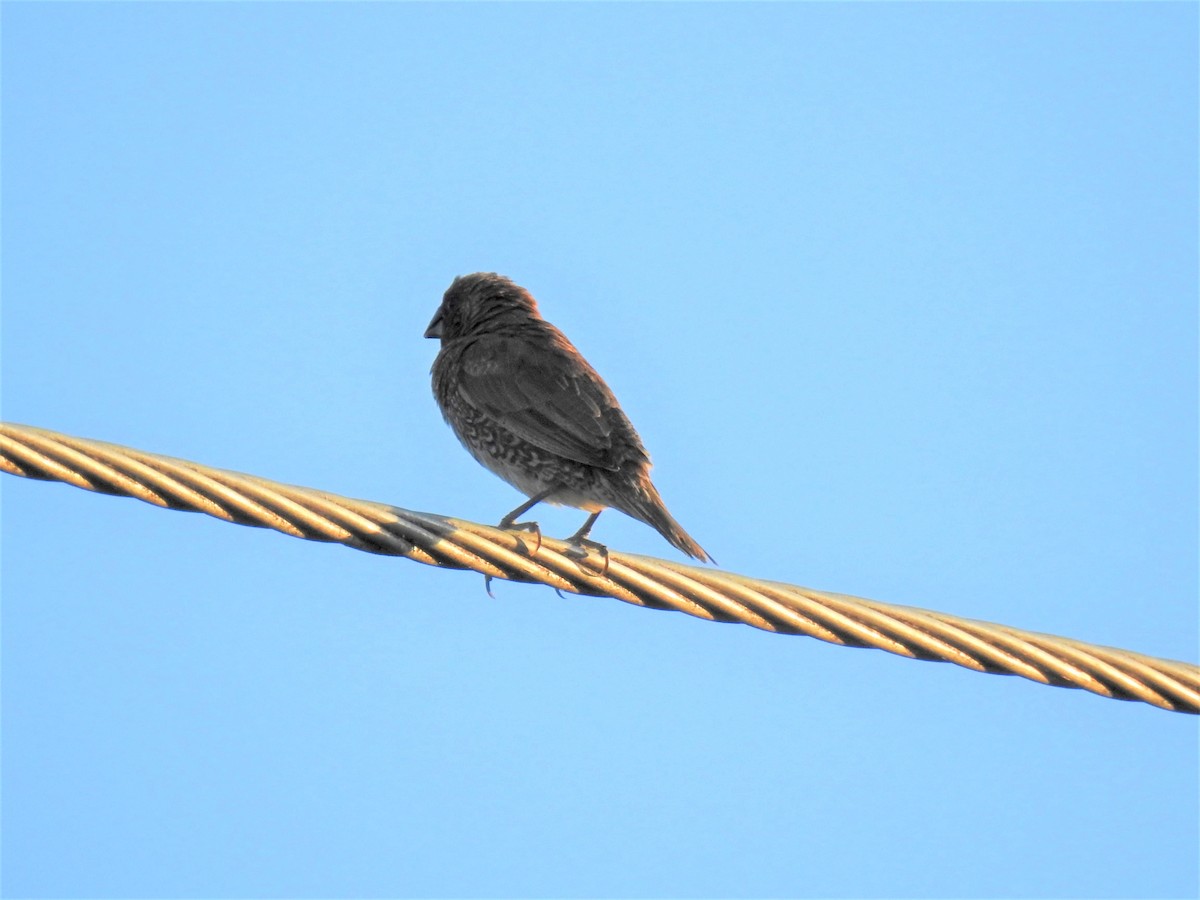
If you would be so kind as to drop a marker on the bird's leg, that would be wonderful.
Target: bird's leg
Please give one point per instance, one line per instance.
(580, 536)
(580, 540)
(510, 521)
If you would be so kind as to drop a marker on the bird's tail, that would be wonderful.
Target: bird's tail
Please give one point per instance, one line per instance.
(648, 506)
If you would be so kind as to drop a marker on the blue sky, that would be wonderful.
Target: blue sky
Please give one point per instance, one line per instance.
(902, 299)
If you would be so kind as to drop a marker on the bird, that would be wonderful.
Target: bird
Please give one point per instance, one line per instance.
(527, 405)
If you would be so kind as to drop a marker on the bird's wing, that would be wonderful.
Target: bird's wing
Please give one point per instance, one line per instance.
(548, 396)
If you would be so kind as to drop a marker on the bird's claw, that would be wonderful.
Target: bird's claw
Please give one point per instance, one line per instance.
(580, 547)
(508, 525)
(531, 527)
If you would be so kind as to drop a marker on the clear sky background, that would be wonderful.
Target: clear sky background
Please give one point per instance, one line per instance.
(902, 299)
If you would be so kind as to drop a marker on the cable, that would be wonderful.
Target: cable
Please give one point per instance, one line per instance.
(645, 581)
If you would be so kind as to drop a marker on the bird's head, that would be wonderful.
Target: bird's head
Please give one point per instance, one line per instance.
(480, 302)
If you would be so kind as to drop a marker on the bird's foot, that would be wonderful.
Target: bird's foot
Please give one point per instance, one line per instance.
(580, 552)
(530, 527)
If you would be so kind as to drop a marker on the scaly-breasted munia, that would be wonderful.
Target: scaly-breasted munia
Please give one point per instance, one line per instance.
(530, 408)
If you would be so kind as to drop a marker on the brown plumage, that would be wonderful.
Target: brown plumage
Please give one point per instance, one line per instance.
(527, 405)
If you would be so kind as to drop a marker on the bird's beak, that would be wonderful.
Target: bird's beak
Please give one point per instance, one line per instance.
(435, 327)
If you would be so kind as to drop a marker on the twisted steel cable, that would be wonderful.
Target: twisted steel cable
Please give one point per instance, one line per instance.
(645, 581)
